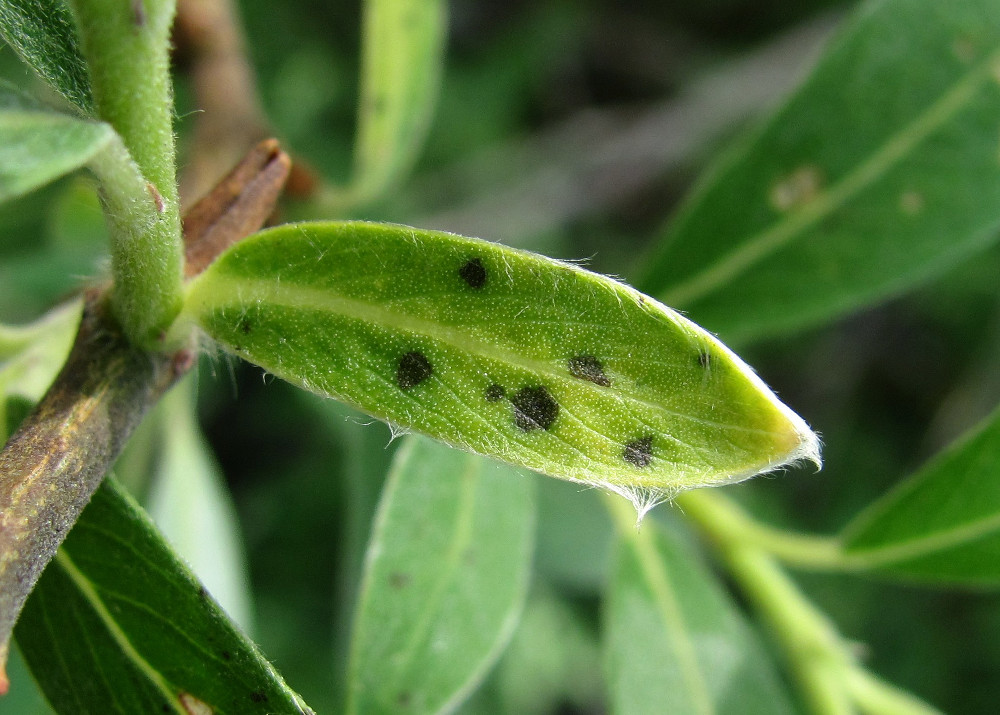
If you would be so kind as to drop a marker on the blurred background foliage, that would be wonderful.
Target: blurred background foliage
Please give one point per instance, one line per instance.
(569, 128)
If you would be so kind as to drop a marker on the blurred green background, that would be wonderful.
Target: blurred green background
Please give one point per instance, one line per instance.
(569, 128)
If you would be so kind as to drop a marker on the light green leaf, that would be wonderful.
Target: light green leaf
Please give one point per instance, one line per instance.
(116, 603)
(192, 506)
(37, 146)
(43, 34)
(445, 580)
(403, 55)
(880, 172)
(675, 643)
(941, 524)
(501, 352)
(31, 355)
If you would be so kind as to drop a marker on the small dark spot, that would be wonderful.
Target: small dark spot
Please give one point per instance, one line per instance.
(258, 696)
(587, 367)
(226, 655)
(404, 699)
(474, 273)
(202, 593)
(245, 325)
(534, 408)
(166, 708)
(704, 358)
(495, 393)
(138, 13)
(399, 580)
(414, 368)
(639, 452)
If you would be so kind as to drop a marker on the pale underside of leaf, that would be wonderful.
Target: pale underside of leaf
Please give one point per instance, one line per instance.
(501, 352)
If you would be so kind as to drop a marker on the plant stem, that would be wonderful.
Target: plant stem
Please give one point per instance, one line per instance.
(126, 46)
(51, 466)
(722, 517)
(831, 679)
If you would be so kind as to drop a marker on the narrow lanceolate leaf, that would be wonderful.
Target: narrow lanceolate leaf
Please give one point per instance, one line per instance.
(941, 524)
(118, 625)
(42, 33)
(880, 172)
(403, 54)
(192, 506)
(445, 579)
(675, 642)
(498, 351)
(37, 146)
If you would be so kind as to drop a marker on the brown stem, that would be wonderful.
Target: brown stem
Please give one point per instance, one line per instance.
(55, 461)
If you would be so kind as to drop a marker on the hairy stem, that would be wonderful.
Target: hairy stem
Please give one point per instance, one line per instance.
(126, 46)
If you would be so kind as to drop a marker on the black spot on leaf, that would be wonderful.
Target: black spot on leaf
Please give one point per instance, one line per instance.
(258, 696)
(245, 325)
(495, 393)
(414, 368)
(639, 452)
(534, 408)
(473, 272)
(587, 367)
(399, 580)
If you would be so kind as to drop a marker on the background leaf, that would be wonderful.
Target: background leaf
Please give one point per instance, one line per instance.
(445, 579)
(941, 524)
(880, 172)
(37, 146)
(115, 597)
(674, 640)
(192, 506)
(42, 32)
(502, 352)
(403, 54)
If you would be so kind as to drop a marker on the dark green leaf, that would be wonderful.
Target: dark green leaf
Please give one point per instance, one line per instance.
(880, 172)
(42, 32)
(502, 352)
(445, 580)
(675, 643)
(37, 146)
(117, 624)
(941, 524)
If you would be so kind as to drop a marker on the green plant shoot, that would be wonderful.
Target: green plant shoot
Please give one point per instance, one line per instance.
(540, 363)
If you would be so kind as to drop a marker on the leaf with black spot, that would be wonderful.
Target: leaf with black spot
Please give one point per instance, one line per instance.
(553, 368)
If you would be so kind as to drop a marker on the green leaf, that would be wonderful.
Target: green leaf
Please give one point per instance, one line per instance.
(42, 32)
(675, 643)
(117, 624)
(31, 355)
(192, 506)
(941, 524)
(880, 172)
(501, 352)
(445, 580)
(404, 44)
(38, 146)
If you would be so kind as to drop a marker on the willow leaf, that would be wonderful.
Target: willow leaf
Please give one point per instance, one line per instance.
(117, 603)
(941, 524)
(38, 146)
(403, 53)
(501, 352)
(43, 34)
(444, 583)
(879, 173)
